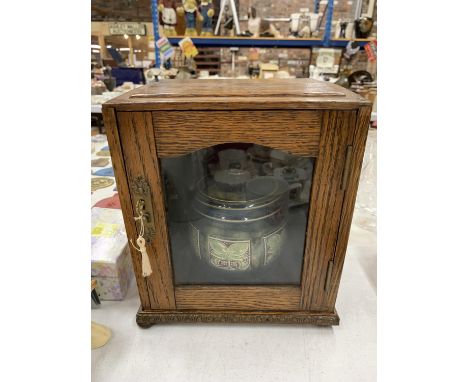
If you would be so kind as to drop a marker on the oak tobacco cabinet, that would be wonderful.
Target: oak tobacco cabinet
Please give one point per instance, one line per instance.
(245, 191)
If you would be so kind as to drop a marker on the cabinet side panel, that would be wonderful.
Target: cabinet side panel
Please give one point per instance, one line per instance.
(182, 132)
(139, 151)
(325, 206)
(359, 137)
(124, 196)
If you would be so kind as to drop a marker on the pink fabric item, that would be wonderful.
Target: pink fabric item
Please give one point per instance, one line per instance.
(112, 202)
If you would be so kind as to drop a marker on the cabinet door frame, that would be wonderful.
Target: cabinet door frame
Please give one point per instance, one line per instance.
(133, 138)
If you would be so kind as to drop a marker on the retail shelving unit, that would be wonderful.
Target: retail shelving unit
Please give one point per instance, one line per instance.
(261, 42)
(264, 42)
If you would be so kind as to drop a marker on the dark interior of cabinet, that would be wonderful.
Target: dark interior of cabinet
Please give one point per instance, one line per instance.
(180, 175)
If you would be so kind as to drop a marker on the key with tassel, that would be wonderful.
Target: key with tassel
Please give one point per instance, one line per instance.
(141, 242)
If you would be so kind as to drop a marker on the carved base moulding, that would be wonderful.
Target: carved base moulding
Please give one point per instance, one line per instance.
(147, 318)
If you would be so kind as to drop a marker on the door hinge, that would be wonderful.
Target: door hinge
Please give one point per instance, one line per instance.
(347, 168)
(329, 274)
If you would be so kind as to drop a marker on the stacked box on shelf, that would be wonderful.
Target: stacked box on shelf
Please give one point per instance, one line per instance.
(110, 256)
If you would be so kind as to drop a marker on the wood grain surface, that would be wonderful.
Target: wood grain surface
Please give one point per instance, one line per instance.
(123, 189)
(325, 205)
(240, 88)
(238, 297)
(179, 133)
(139, 152)
(359, 137)
(303, 93)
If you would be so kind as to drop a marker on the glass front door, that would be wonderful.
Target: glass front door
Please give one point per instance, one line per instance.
(237, 214)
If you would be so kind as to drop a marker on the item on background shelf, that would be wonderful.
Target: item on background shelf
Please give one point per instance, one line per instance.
(294, 24)
(189, 70)
(254, 71)
(207, 12)
(326, 59)
(110, 83)
(359, 77)
(273, 31)
(349, 31)
(371, 50)
(361, 82)
(343, 77)
(168, 16)
(254, 54)
(151, 75)
(268, 71)
(127, 86)
(97, 87)
(363, 27)
(253, 23)
(283, 74)
(344, 29)
(104, 75)
(258, 27)
(100, 162)
(111, 202)
(190, 10)
(314, 19)
(228, 24)
(342, 25)
(326, 62)
(351, 49)
(154, 74)
(188, 47)
(111, 264)
(165, 48)
(228, 14)
(304, 24)
(343, 81)
(101, 182)
(313, 72)
(107, 78)
(317, 74)
(108, 171)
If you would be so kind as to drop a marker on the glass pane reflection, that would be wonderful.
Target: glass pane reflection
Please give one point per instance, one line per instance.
(237, 214)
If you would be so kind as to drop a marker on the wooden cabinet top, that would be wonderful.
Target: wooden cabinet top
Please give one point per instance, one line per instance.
(233, 94)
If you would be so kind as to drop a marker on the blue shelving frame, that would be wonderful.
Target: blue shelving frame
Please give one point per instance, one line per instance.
(224, 42)
(155, 17)
(264, 42)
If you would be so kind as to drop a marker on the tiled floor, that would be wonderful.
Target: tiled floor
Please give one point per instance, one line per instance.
(207, 352)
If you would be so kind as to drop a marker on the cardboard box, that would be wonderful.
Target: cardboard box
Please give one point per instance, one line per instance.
(111, 263)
